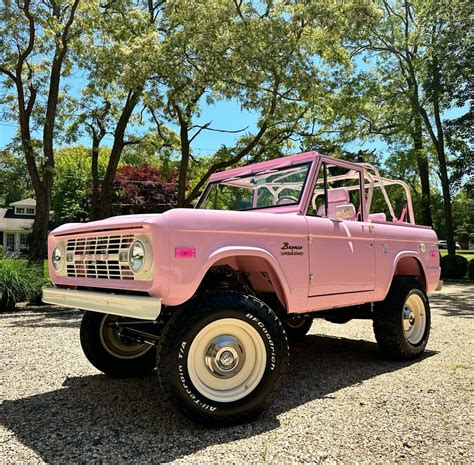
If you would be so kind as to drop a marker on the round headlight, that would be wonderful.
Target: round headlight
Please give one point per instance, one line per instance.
(57, 258)
(137, 256)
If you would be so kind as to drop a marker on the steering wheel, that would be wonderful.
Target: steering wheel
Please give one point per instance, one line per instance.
(287, 199)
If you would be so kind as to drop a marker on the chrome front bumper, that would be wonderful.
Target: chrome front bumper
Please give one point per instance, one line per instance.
(140, 307)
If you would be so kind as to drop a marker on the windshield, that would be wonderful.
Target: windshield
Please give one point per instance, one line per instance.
(269, 188)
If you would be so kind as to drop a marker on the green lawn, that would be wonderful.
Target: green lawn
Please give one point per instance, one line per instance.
(467, 254)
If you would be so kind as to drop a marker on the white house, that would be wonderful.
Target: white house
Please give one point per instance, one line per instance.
(16, 222)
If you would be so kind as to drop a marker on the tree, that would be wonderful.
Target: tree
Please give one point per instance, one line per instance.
(14, 181)
(265, 55)
(144, 190)
(460, 140)
(73, 183)
(392, 114)
(419, 41)
(116, 50)
(36, 38)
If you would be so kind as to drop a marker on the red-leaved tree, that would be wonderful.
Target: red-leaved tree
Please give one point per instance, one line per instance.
(144, 190)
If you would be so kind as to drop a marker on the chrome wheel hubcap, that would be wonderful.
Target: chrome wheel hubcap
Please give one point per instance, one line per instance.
(408, 318)
(225, 356)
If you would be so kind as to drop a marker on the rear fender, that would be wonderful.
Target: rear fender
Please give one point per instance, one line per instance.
(414, 267)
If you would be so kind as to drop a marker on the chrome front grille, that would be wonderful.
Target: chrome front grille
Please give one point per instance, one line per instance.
(99, 257)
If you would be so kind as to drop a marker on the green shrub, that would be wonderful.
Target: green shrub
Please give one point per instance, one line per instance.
(470, 269)
(453, 267)
(19, 281)
(1, 251)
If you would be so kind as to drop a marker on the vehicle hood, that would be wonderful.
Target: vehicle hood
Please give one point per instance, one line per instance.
(181, 218)
(115, 222)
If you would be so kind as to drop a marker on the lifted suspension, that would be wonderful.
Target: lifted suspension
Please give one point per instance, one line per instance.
(128, 331)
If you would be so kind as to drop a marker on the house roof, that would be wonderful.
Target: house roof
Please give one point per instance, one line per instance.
(24, 203)
(9, 223)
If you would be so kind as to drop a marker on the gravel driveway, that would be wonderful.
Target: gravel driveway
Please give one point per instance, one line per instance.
(342, 402)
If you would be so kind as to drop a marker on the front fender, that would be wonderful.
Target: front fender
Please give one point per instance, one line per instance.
(187, 290)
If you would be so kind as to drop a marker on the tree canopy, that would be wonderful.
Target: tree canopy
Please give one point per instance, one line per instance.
(93, 86)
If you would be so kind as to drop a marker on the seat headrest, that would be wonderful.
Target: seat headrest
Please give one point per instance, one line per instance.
(340, 194)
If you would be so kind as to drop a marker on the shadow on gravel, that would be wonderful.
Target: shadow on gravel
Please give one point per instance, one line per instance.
(459, 303)
(104, 419)
(37, 317)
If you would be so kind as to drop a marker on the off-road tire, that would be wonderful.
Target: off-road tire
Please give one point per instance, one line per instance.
(388, 320)
(103, 360)
(297, 332)
(185, 326)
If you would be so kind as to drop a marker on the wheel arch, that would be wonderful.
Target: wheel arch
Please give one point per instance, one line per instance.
(253, 260)
(408, 264)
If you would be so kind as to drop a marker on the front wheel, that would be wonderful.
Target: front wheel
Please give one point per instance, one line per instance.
(402, 321)
(112, 353)
(223, 358)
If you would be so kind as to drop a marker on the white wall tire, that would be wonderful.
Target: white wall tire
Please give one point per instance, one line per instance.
(402, 321)
(414, 318)
(222, 358)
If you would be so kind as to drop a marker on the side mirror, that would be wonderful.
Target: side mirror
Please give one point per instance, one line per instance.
(345, 212)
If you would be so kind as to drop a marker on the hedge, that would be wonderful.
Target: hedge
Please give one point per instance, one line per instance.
(20, 281)
(470, 269)
(453, 267)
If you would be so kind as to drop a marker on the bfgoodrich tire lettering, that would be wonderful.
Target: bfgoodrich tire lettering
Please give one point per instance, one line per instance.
(394, 331)
(207, 399)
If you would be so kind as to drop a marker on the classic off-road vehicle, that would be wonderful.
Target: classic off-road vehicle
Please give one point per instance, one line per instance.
(210, 296)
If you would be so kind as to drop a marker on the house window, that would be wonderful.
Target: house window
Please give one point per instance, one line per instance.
(20, 210)
(10, 242)
(30, 211)
(23, 242)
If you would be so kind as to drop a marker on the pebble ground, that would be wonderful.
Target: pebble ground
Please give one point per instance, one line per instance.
(342, 403)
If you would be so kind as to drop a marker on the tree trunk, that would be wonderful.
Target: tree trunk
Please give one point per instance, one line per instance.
(448, 216)
(94, 198)
(184, 165)
(440, 149)
(107, 188)
(423, 171)
(104, 209)
(39, 237)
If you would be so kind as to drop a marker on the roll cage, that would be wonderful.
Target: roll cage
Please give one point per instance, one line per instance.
(265, 176)
(372, 180)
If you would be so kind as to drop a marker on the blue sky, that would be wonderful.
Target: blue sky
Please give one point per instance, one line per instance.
(224, 115)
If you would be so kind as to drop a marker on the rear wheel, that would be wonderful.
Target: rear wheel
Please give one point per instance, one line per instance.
(223, 358)
(110, 352)
(402, 321)
(296, 327)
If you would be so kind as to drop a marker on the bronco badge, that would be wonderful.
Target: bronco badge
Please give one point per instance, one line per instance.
(288, 249)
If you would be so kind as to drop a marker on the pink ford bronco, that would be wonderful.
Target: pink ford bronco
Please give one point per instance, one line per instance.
(210, 296)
